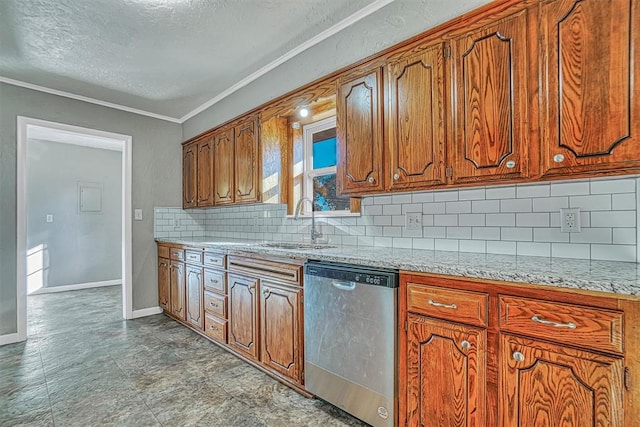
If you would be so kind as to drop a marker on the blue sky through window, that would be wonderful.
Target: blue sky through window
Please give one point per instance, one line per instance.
(324, 153)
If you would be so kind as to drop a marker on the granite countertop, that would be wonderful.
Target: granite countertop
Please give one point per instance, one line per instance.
(604, 276)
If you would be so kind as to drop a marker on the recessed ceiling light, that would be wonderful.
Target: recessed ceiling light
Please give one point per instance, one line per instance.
(303, 112)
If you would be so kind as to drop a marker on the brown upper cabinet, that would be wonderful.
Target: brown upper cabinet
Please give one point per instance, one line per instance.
(189, 176)
(223, 144)
(416, 127)
(205, 172)
(359, 128)
(246, 161)
(590, 110)
(197, 173)
(489, 66)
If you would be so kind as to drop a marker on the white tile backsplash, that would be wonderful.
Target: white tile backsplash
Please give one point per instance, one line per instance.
(512, 219)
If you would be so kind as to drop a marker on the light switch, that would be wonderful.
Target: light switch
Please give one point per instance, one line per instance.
(137, 214)
(49, 218)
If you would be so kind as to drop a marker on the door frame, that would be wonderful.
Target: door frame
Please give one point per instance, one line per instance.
(125, 143)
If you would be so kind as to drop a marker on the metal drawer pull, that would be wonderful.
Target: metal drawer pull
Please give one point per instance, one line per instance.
(213, 280)
(213, 304)
(371, 180)
(266, 292)
(538, 319)
(213, 328)
(344, 286)
(465, 344)
(558, 158)
(518, 357)
(440, 305)
(511, 164)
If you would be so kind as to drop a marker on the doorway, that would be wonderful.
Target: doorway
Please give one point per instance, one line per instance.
(89, 196)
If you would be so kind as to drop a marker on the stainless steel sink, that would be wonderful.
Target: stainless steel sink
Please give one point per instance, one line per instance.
(295, 245)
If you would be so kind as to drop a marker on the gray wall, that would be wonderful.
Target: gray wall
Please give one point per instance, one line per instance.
(156, 181)
(77, 247)
(393, 23)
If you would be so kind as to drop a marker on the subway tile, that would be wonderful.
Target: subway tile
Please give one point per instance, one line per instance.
(382, 220)
(624, 236)
(516, 205)
(530, 191)
(570, 188)
(373, 210)
(458, 207)
(620, 219)
(570, 250)
(428, 244)
(401, 242)
(499, 247)
(519, 234)
(550, 204)
(392, 210)
(623, 202)
(434, 232)
(382, 200)
(446, 245)
(539, 219)
(458, 232)
(485, 206)
(445, 220)
(471, 194)
(471, 219)
(392, 231)
(427, 220)
(422, 197)
(533, 249)
(350, 240)
(412, 207)
(599, 202)
(614, 252)
(549, 235)
(476, 246)
(373, 230)
(385, 242)
(508, 192)
(433, 208)
(367, 201)
(445, 196)
(412, 233)
(609, 186)
(501, 219)
(592, 235)
(398, 220)
(485, 233)
(397, 199)
(365, 240)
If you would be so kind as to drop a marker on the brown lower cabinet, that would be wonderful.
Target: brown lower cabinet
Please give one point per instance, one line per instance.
(194, 313)
(177, 289)
(243, 315)
(482, 353)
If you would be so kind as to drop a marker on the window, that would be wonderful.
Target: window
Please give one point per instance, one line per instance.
(319, 176)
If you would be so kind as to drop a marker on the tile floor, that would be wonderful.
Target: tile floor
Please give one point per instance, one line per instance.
(83, 365)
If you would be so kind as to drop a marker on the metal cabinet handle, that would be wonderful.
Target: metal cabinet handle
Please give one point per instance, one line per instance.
(465, 344)
(396, 176)
(539, 319)
(518, 357)
(344, 286)
(213, 304)
(213, 328)
(440, 305)
(213, 280)
(371, 180)
(511, 164)
(558, 158)
(266, 292)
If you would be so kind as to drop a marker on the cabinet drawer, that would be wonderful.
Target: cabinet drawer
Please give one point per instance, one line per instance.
(177, 254)
(587, 327)
(215, 304)
(212, 259)
(194, 257)
(163, 252)
(215, 327)
(215, 281)
(450, 304)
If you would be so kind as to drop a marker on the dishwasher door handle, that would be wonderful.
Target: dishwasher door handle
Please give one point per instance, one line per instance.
(344, 286)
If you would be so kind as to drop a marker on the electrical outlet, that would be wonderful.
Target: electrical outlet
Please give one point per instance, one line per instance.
(413, 221)
(176, 223)
(137, 214)
(49, 217)
(570, 220)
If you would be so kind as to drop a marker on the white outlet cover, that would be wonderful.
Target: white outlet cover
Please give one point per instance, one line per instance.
(49, 217)
(570, 220)
(137, 214)
(413, 221)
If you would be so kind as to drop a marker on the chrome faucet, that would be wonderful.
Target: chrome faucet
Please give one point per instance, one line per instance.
(315, 234)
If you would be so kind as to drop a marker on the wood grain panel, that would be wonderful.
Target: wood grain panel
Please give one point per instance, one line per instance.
(215, 304)
(243, 315)
(591, 113)
(215, 280)
(416, 128)
(246, 161)
(205, 172)
(194, 309)
(449, 304)
(557, 386)
(223, 166)
(164, 292)
(214, 259)
(215, 328)
(274, 147)
(491, 79)
(446, 374)
(592, 328)
(189, 176)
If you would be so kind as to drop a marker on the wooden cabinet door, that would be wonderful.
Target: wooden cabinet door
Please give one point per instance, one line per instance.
(163, 284)
(205, 172)
(590, 109)
(246, 162)
(281, 329)
(360, 139)
(223, 167)
(194, 307)
(416, 128)
(243, 315)
(490, 78)
(177, 289)
(446, 374)
(189, 176)
(549, 385)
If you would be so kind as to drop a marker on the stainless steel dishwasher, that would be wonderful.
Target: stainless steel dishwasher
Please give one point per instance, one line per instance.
(350, 317)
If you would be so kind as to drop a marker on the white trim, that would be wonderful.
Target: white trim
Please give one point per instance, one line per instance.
(349, 20)
(23, 123)
(76, 287)
(146, 312)
(87, 99)
(9, 339)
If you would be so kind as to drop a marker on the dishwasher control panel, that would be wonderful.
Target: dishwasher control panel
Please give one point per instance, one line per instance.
(353, 273)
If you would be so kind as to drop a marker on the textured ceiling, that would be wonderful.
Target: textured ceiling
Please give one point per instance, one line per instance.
(167, 57)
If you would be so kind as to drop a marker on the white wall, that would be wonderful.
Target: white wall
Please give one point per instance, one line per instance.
(512, 219)
(76, 247)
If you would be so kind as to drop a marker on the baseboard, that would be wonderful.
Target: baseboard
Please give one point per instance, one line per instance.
(146, 312)
(9, 339)
(77, 287)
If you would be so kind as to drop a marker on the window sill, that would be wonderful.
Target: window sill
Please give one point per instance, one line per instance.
(331, 214)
